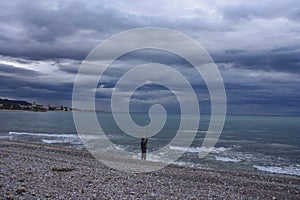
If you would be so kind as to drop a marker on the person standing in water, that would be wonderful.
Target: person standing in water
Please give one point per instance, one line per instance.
(144, 148)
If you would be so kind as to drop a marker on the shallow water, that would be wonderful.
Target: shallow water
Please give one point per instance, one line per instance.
(265, 143)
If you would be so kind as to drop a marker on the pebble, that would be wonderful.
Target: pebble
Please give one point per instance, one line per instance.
(50, 174)
(20, 190)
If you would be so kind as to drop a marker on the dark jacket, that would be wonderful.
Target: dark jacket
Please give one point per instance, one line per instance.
(144, 145)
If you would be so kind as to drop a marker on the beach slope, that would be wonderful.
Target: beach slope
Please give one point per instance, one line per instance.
(34, 171)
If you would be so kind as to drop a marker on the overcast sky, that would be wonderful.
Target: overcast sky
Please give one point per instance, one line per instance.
(255, 44)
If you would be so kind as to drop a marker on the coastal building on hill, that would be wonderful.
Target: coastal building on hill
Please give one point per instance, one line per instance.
(6, 104)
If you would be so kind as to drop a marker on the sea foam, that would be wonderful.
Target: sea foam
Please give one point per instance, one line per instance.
(226, 159)
(43, 134)
(199, 149)
(291, 170)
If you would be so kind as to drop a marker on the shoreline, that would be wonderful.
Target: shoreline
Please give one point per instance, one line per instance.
(100, 111)
(33, 171)
(32, 111)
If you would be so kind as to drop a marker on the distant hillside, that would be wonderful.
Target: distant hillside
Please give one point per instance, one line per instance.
(14, 102)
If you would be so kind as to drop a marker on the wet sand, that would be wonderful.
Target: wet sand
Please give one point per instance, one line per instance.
(34, 171)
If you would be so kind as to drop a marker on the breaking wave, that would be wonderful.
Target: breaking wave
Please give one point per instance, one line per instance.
(199, 149)
(291, 170)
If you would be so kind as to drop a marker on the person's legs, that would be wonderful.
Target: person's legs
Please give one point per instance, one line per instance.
(143, 156)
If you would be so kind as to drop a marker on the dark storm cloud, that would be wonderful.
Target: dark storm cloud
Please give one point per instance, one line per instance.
(255, 44)
(16, 87)
(70, 31)
(280, 59)
(19, 83)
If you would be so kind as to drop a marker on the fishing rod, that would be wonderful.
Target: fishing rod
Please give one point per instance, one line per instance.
(147, 128)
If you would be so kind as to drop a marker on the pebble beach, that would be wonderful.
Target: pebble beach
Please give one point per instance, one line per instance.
(35, 171)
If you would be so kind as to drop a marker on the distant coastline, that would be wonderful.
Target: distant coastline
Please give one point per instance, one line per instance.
(8, 105)
(21, 105)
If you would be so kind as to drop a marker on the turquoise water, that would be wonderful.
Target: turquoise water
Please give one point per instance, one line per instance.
(265, 143)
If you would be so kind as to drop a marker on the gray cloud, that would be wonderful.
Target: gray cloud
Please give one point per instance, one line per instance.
(264, 9)
(11, 70)
(282, 59)
(255, 44)
(70, 31)
(16, 82)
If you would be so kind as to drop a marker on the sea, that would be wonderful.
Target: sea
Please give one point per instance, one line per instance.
(249, 143)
